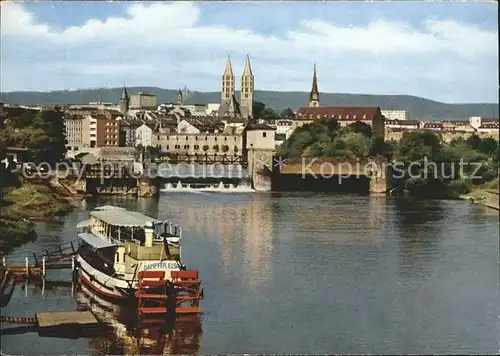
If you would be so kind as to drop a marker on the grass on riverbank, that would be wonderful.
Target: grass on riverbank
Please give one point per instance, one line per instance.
(24, 202)
(481, 192)
(34, 201)
(14, 232)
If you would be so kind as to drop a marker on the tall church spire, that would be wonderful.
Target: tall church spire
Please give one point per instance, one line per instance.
(180, 97)
(124, 101)
(248, 68)
(314, 97)
(228, 70)
(247, 89)
(227, 82)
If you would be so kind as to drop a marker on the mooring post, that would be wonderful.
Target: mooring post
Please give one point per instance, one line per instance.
(27, 268)
(43, 267)
(73, 263)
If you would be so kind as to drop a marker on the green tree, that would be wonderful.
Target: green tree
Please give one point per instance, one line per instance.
(358, 144)
(474, 141)
(269, 114)
(362, 128)
(287, 113)
(415, 145)
(380, 147)
(258, 109)
(488, 146)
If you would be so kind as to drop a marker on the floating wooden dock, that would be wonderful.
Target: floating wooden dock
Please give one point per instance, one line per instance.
(66, 319)
(55, 319)
(56, 324)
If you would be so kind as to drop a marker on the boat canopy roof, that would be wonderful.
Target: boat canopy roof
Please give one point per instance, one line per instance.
(84, 223)
(123, 218)
(109, 207)
(95, 241)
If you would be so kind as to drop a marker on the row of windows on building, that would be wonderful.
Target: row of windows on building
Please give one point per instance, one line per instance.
(224, 148)
(347, 116)
(195, 138)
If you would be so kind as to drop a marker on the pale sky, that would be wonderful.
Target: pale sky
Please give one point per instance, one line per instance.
(445, 51)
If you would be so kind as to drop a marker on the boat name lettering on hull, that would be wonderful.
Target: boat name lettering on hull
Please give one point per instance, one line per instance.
(160, 265)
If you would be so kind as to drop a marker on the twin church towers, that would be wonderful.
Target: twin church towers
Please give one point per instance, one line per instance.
(229, 105)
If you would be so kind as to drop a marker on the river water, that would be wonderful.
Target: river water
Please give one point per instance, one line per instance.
(302, 273)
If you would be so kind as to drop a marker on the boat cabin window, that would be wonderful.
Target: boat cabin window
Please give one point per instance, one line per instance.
(100, 259)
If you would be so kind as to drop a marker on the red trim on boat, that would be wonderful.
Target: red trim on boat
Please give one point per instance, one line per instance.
(99, 291)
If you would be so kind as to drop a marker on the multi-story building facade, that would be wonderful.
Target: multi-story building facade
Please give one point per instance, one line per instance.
(213, 143)
(143, 101)
(260, 136)
(391, 124)
(477, 121)
(284, 127)
(344, 115)
(128, 127)
(107, 132)
(77, 132)
(432, 126)
(395, 114)
(144, 136)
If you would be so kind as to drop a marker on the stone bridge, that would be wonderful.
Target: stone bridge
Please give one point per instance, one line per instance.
(263, 166)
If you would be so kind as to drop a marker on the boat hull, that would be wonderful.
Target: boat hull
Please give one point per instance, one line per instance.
(103, 284)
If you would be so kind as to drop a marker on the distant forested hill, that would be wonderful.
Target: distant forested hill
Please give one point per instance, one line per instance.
(419, 108)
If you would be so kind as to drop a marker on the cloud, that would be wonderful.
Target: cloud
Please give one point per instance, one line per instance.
(163, 44)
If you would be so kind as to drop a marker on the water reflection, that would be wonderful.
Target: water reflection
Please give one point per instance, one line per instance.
(258, 242)
(371, 275)
(318, 220)
(127, 337)
(419, 237)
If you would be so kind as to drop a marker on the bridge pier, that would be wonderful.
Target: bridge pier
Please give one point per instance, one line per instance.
(260, 163)
(376, 170)
(147, 187)
(379, 178)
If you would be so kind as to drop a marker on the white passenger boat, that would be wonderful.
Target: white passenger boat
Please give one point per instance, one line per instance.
(116, 245)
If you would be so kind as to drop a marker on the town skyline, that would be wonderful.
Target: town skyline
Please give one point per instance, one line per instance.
(443, 57)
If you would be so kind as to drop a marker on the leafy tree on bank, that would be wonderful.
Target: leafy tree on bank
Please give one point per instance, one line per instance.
(287, 114)
(259, 111)
(437, 168)
(42, 132)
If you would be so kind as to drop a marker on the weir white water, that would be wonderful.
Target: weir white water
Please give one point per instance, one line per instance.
(243, 187)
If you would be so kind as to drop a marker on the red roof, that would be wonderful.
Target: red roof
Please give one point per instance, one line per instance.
(355, 113)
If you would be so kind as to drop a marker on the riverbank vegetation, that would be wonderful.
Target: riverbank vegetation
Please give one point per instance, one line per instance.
(22, 203)
(39, 135)
(423, 164)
